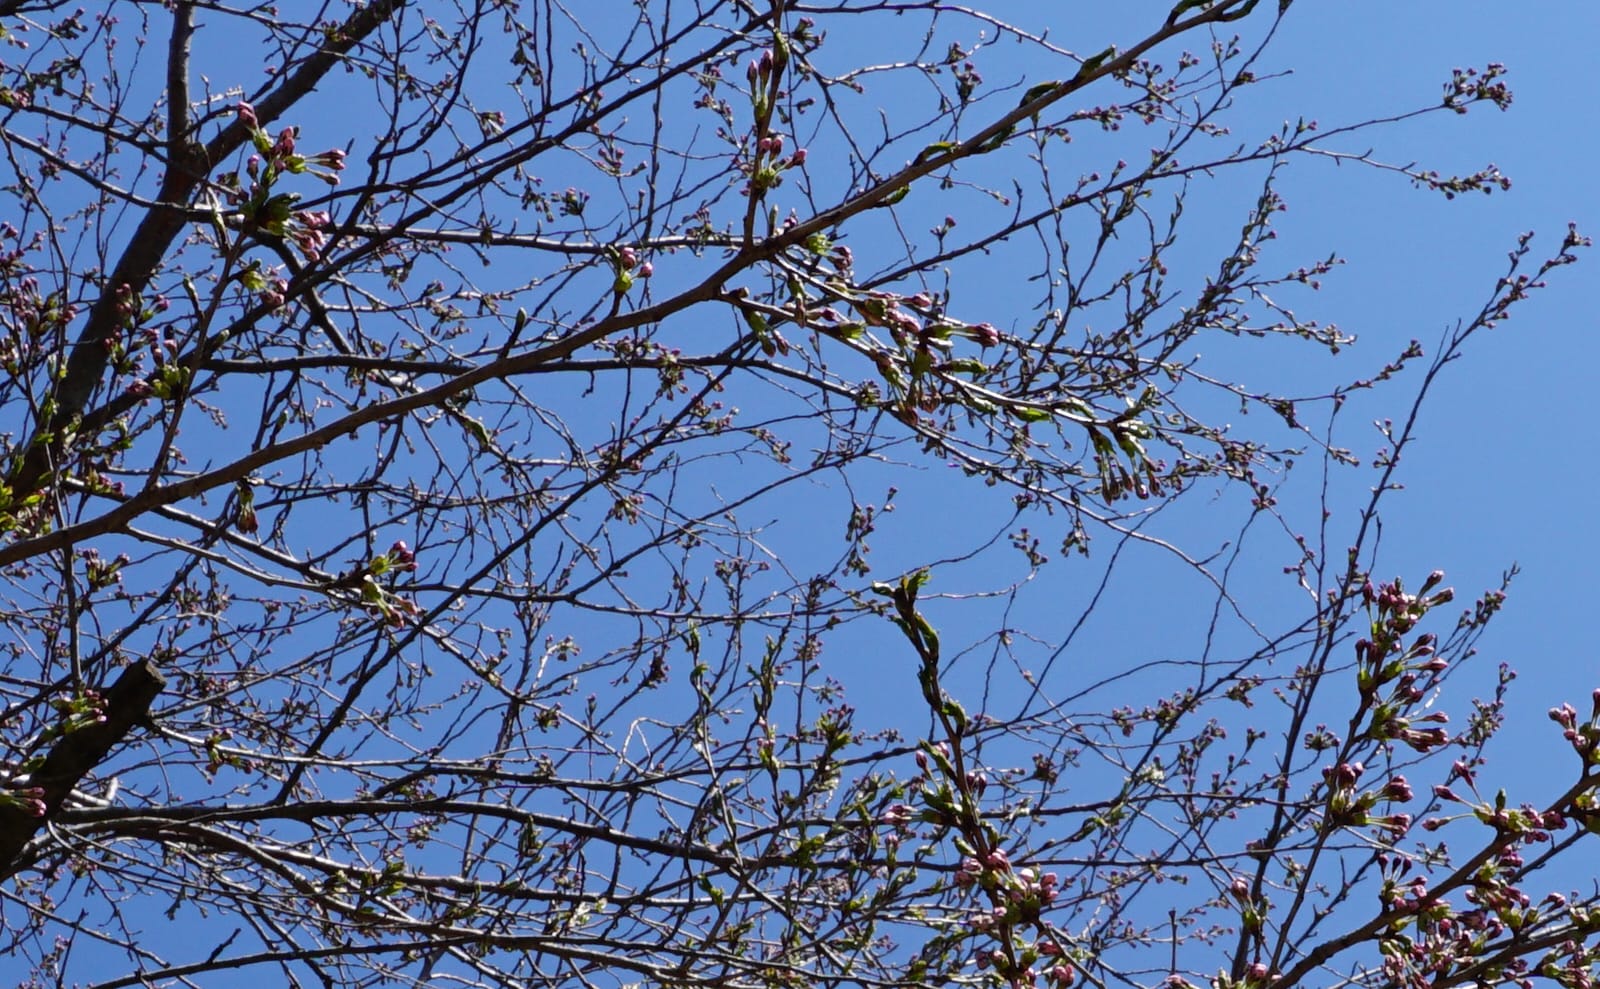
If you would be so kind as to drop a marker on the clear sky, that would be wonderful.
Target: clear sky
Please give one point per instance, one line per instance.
(1504, 469)
(1500, 473)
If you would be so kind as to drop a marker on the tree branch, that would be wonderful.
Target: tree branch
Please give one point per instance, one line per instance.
(76, 754)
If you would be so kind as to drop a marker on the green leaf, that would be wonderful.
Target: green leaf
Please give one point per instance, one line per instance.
(1029, 414)
(895, 196)
(1034, 92)
(997, 141)
(1130, 446)
(934, 150)
(1094, 63)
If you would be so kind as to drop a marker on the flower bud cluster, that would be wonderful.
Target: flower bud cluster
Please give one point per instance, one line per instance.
(1393, 676)
(100, 573)
(128, 350)
(1468, 86)
(764, 170)
(764, 75)
(1584, 736)
(36, 317)
(1349, 806)
(626, 264)
(28, 799)
(394, 609)
(272, 213)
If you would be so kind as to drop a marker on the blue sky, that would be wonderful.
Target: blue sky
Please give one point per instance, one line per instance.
(1495, 479)
(1502, 474)
(1499, 475)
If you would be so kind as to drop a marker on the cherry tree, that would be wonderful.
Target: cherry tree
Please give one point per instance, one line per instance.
(450, 451)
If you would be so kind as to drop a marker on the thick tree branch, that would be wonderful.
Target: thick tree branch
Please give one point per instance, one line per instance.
(127, 704)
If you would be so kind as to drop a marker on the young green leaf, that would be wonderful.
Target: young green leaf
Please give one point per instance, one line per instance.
(1094, 62)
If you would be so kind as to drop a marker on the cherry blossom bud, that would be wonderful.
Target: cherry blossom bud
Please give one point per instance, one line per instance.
(332, 158)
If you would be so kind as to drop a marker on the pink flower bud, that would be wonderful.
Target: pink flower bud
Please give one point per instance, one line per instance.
(247, 113)
(286, 138)
(332, 158)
